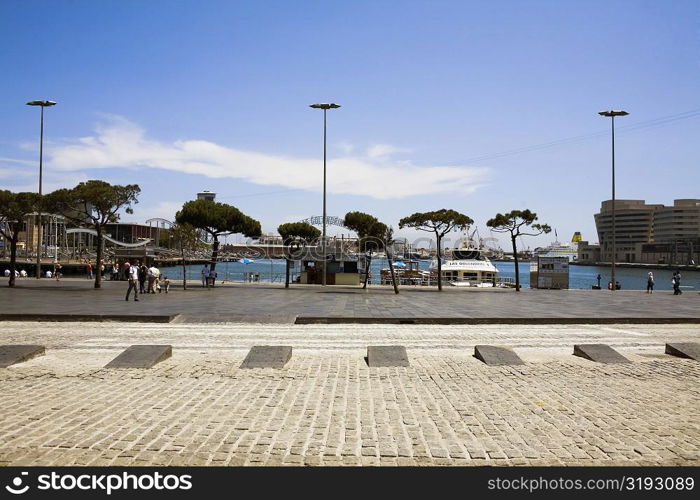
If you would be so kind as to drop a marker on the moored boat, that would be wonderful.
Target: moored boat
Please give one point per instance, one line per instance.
(467, 266)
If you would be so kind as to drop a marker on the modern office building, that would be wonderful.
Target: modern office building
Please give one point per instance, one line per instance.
(650, 233)
(680, 222)
(634, 224)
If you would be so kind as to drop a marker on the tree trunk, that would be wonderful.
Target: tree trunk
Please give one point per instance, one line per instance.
(286, 273)
(100, 251)
(13, 260)
(439, 259)
(184, 266)
(393, 276)
(214, 254)
(517, 273)
(368, 264)
(390, 258)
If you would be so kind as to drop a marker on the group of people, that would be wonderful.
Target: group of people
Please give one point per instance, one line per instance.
(208, 276)
(143, 279)
(21, 273)
(56, 273)
(675, 280)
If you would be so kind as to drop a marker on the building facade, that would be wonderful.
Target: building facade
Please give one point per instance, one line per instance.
(651, 234)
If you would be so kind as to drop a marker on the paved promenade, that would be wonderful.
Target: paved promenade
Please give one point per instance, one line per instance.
(327, 407)
(273, 303)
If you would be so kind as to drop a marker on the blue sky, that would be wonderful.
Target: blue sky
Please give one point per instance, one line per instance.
(445, 104)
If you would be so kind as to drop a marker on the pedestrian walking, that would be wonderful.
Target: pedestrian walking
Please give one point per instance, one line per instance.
(57, 272)
(650, 282)
(212, 277)
(133, 283)
(88, 268)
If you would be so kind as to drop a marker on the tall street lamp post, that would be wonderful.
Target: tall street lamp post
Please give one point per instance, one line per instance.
(325, 107)
(612, 114)
(42, 104)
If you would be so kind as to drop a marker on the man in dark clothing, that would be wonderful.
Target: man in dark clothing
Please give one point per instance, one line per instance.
(143, 270)
(133, 282)
(677, 288)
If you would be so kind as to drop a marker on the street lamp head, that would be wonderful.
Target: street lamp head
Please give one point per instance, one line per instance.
(324, 106)
(613, 113)
(41, 103)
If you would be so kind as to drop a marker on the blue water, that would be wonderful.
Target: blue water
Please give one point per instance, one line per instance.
(581, 277)
(630, 279)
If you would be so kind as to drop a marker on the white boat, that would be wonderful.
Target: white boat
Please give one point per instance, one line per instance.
(467, 266)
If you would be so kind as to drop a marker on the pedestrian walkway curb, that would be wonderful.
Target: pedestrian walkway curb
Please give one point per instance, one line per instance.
(309, 320)
(138, 318)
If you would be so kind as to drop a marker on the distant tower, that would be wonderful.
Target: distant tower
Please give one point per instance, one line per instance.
(206, 195)
(576, 237)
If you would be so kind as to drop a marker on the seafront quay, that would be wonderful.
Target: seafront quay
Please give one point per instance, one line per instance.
(264, 303)
(326, 405)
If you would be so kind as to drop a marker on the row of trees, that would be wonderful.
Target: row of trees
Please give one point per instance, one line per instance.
(94, 204)
(97, 203)
(375, 236)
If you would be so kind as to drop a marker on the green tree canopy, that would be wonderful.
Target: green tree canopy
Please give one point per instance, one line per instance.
(439, 222)
(370, 231)
(94, 204)
(14, 207)
(517, 222)
(217, 219)
(296, 231)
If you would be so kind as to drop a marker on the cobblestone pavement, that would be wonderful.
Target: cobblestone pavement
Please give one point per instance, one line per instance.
(326, 407)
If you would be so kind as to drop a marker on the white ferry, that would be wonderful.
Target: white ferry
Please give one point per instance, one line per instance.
(467, 266)
(558, 249)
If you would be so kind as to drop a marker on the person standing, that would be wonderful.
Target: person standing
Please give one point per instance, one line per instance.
(88, 268)
(650, 282)
(133, 283)
(205, 274)
(674, 280)
(151, 279)
(143, 271)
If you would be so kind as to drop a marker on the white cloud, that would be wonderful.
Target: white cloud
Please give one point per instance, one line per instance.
(122, 144)
(382, 150)
(345, 147)
(162, 210)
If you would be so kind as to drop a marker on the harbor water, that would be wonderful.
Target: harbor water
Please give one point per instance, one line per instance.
(580, 277)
